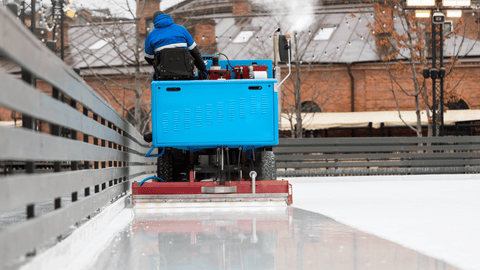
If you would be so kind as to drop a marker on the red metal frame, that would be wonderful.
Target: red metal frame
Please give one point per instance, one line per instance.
(194, 187)
(290, 194)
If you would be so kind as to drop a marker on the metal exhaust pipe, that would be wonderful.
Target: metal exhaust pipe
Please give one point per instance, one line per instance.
(275, 49)
(253, 175)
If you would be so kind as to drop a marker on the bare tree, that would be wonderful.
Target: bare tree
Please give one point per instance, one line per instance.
(405, 51)
(121, 53)
(309, 86)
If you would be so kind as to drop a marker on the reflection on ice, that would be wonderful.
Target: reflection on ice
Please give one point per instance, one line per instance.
(252, 238)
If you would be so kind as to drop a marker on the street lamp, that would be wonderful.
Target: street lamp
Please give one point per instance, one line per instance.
(58, 13)
(423, 9)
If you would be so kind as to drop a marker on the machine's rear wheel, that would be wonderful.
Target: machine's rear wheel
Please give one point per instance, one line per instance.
(165, 166)
(266, 168)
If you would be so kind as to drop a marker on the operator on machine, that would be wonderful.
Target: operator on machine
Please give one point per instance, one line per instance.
(166, 35)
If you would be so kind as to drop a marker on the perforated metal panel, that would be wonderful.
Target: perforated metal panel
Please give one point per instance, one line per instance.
(200, 114)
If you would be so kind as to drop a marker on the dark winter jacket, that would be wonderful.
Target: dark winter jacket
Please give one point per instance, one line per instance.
(169, 35)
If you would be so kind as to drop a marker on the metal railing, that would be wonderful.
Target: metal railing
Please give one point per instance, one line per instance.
(84, 171)
(377, 156)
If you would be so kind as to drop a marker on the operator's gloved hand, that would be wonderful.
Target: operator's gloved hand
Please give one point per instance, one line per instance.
(203, 74)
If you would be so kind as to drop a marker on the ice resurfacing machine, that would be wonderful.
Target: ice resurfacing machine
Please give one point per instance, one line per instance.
(215, 138)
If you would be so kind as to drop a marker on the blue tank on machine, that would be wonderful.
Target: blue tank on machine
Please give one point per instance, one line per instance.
(194, 115)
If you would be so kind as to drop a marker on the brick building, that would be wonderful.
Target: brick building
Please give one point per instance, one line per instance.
(343, 68)
(337, 52)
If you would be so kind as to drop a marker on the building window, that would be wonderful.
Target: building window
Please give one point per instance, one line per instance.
(310, 107)
(448, 27)
(324, 33)
(459, 105)
(149, 25)
(99, 44)
(243, 37)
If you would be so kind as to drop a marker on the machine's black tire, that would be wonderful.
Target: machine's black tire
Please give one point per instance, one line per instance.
(266, 167)
(165, 166)
(148, 137)
(180, 163)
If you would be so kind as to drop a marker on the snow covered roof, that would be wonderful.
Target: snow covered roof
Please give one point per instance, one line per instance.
(349, 41)
(102, 45)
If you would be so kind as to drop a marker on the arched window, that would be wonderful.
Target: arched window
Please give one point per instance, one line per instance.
(310, 107)
(459, 105)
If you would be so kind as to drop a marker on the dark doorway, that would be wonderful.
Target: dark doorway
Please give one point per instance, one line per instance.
(459, 105)
(310, 107)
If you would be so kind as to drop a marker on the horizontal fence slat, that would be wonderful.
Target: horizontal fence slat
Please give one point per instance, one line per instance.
(416, 163)
(17, 240)
(362, 156)
(385, 155)
(24, 144)
(368, 148)
(45, 186)
(52, 70)
(378, 171)
(376, 141)
(29, 101)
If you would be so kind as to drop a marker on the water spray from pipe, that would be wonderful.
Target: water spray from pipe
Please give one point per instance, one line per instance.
(299, 13)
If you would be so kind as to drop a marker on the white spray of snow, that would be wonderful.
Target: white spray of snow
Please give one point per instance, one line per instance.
(299, 15)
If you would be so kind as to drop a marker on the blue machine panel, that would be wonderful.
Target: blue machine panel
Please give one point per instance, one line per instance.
(193, 115)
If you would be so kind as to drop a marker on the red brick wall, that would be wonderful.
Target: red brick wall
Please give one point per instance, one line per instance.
(360, 90)
(330, 88)
(204, 33)
(150, 7)
(241, 7)
(122, 94)
(469, 24)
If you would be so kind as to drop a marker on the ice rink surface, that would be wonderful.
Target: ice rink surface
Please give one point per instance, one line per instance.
(437, 215)
(246, 238)
(385, 222)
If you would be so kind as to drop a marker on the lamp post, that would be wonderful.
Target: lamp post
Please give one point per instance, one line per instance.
(60, 9)
(55, 24)
(423, 9)
(27, 121)
(62, 34)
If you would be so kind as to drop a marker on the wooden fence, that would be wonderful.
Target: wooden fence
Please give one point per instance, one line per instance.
(377, 156)
(86, 159)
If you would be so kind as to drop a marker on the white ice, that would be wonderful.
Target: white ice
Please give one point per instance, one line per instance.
(437, 215)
